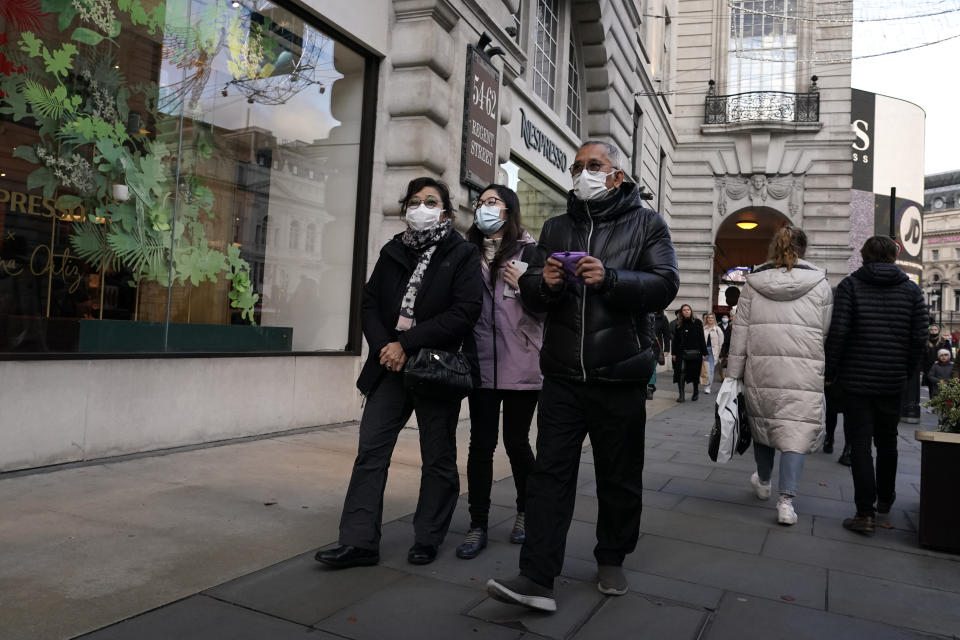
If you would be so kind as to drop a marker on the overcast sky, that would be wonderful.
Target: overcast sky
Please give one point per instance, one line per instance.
(926, 76)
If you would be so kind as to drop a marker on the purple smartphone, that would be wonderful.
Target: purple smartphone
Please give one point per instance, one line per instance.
(570, 260)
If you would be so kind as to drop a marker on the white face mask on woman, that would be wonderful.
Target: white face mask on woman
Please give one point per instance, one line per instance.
(591, 185)
(423, 217)
(488, 220)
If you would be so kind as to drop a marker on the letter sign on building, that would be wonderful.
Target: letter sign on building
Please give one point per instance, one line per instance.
(481, 110)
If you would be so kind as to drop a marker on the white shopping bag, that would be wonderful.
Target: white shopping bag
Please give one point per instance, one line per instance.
(727, 419)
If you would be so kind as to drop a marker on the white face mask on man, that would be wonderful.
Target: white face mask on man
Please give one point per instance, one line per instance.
(591, 185)
(423, 217)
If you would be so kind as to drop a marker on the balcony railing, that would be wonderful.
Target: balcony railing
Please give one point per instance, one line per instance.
(763, 106)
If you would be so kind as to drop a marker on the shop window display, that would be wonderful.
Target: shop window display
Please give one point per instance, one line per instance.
(154, 152)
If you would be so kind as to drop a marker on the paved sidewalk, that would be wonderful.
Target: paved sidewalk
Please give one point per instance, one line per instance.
(711, 563)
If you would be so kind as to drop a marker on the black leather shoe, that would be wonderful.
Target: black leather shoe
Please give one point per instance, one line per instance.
(860, 523)
(345, 556)
(421, 554)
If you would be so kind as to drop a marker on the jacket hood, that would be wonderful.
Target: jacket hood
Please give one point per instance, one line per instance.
(776, 283)
(884, 274)
(621, 200)
(525, 239)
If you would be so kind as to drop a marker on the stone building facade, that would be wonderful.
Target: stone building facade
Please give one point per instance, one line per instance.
(762, 118)
(941, 247)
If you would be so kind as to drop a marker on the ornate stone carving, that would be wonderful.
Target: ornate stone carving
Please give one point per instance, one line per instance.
(736, 192)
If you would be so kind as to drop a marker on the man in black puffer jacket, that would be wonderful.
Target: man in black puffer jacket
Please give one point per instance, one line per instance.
(596, 360)
(875, 344)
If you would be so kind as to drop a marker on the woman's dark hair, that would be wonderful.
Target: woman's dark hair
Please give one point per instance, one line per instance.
(512, 230)
(419, 183)
(879, 249)
(788, 246)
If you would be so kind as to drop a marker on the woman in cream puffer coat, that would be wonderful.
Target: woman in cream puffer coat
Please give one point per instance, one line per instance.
(777, 349)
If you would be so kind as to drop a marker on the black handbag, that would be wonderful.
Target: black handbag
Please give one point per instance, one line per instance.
(691, 354)
(438, 374)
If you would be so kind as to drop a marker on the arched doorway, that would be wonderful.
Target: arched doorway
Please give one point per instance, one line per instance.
(741, 243)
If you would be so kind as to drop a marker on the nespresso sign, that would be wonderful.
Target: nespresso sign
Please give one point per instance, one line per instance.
(537, 140)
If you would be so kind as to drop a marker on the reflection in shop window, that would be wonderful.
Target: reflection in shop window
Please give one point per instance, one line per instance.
(148, 141)
(539, 199)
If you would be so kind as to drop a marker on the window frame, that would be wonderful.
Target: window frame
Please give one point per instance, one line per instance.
(804, 44)
(361, 231)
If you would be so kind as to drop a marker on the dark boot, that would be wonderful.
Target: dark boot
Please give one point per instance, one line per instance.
(860, 523)
(650, 390)
(681, 397)
(828, 444)
(845, 456)
(696, 391)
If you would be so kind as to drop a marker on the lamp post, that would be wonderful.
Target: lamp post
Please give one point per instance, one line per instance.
(935, 295)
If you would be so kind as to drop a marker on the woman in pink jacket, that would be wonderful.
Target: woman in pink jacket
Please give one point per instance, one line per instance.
(508, 338)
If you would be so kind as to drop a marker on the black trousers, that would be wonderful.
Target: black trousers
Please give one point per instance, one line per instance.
(518, 408)
(614, 416)
(868, 421)
(387, 410)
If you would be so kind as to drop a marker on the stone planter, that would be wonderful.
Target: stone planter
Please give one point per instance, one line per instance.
(939, 484)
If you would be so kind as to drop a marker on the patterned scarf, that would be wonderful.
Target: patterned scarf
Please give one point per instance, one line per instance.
(425, 242)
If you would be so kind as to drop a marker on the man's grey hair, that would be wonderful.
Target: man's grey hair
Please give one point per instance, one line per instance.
(613, 154)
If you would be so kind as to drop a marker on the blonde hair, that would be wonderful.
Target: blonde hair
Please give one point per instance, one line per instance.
(789, 245)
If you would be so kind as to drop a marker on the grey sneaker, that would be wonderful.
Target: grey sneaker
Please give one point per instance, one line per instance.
(611, 581)
(523, 591)
(519, 533)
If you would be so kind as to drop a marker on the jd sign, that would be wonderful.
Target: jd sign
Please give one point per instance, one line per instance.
(911, 230)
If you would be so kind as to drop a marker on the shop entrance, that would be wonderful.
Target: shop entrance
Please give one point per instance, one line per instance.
(741, 243)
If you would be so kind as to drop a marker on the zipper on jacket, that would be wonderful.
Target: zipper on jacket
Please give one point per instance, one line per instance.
(493, 313)
(583, 308)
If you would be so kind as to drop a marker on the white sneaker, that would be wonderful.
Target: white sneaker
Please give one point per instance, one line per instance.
(762, 489)
(706, 390)
(785, 512)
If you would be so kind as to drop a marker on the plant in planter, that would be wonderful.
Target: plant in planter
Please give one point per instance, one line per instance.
(946, 406)
(940, 472)
(77, 99)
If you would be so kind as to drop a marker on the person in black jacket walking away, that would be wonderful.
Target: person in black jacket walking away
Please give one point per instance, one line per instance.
(596, 360)
(689, 352)
(425, 291)
(935, 342)
(876, 340)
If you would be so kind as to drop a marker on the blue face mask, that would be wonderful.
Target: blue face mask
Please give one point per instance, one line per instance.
(488, 220)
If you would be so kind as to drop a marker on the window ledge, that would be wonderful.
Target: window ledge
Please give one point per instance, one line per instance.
(736, 127)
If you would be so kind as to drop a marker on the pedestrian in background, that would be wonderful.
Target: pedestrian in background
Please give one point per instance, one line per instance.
(778, 350)
(725, 325)
(507, 339)
(876, 341)
(425, 291)
(935, 342)
(661, 331)
(713, 335)
(689, 353)
(597, 358)
(940, 371)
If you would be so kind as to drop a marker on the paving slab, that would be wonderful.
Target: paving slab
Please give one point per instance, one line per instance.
(638, 618)
(742, 617)
(416, 608)
(854, 557)
(302, 590)
(757, 514)
(576, 602)
(730, 570)
(202, 618)
(809, 484)
(895, 603)
(499, 559)
(657, 587)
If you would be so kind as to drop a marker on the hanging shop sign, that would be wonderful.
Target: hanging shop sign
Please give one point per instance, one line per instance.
(481, 109)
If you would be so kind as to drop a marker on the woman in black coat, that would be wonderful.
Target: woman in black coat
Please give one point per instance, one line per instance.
(689, 350)
(425, 291)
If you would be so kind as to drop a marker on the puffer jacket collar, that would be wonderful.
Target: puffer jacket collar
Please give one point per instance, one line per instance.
(623, 199)
(883, 274)
(778, 283)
